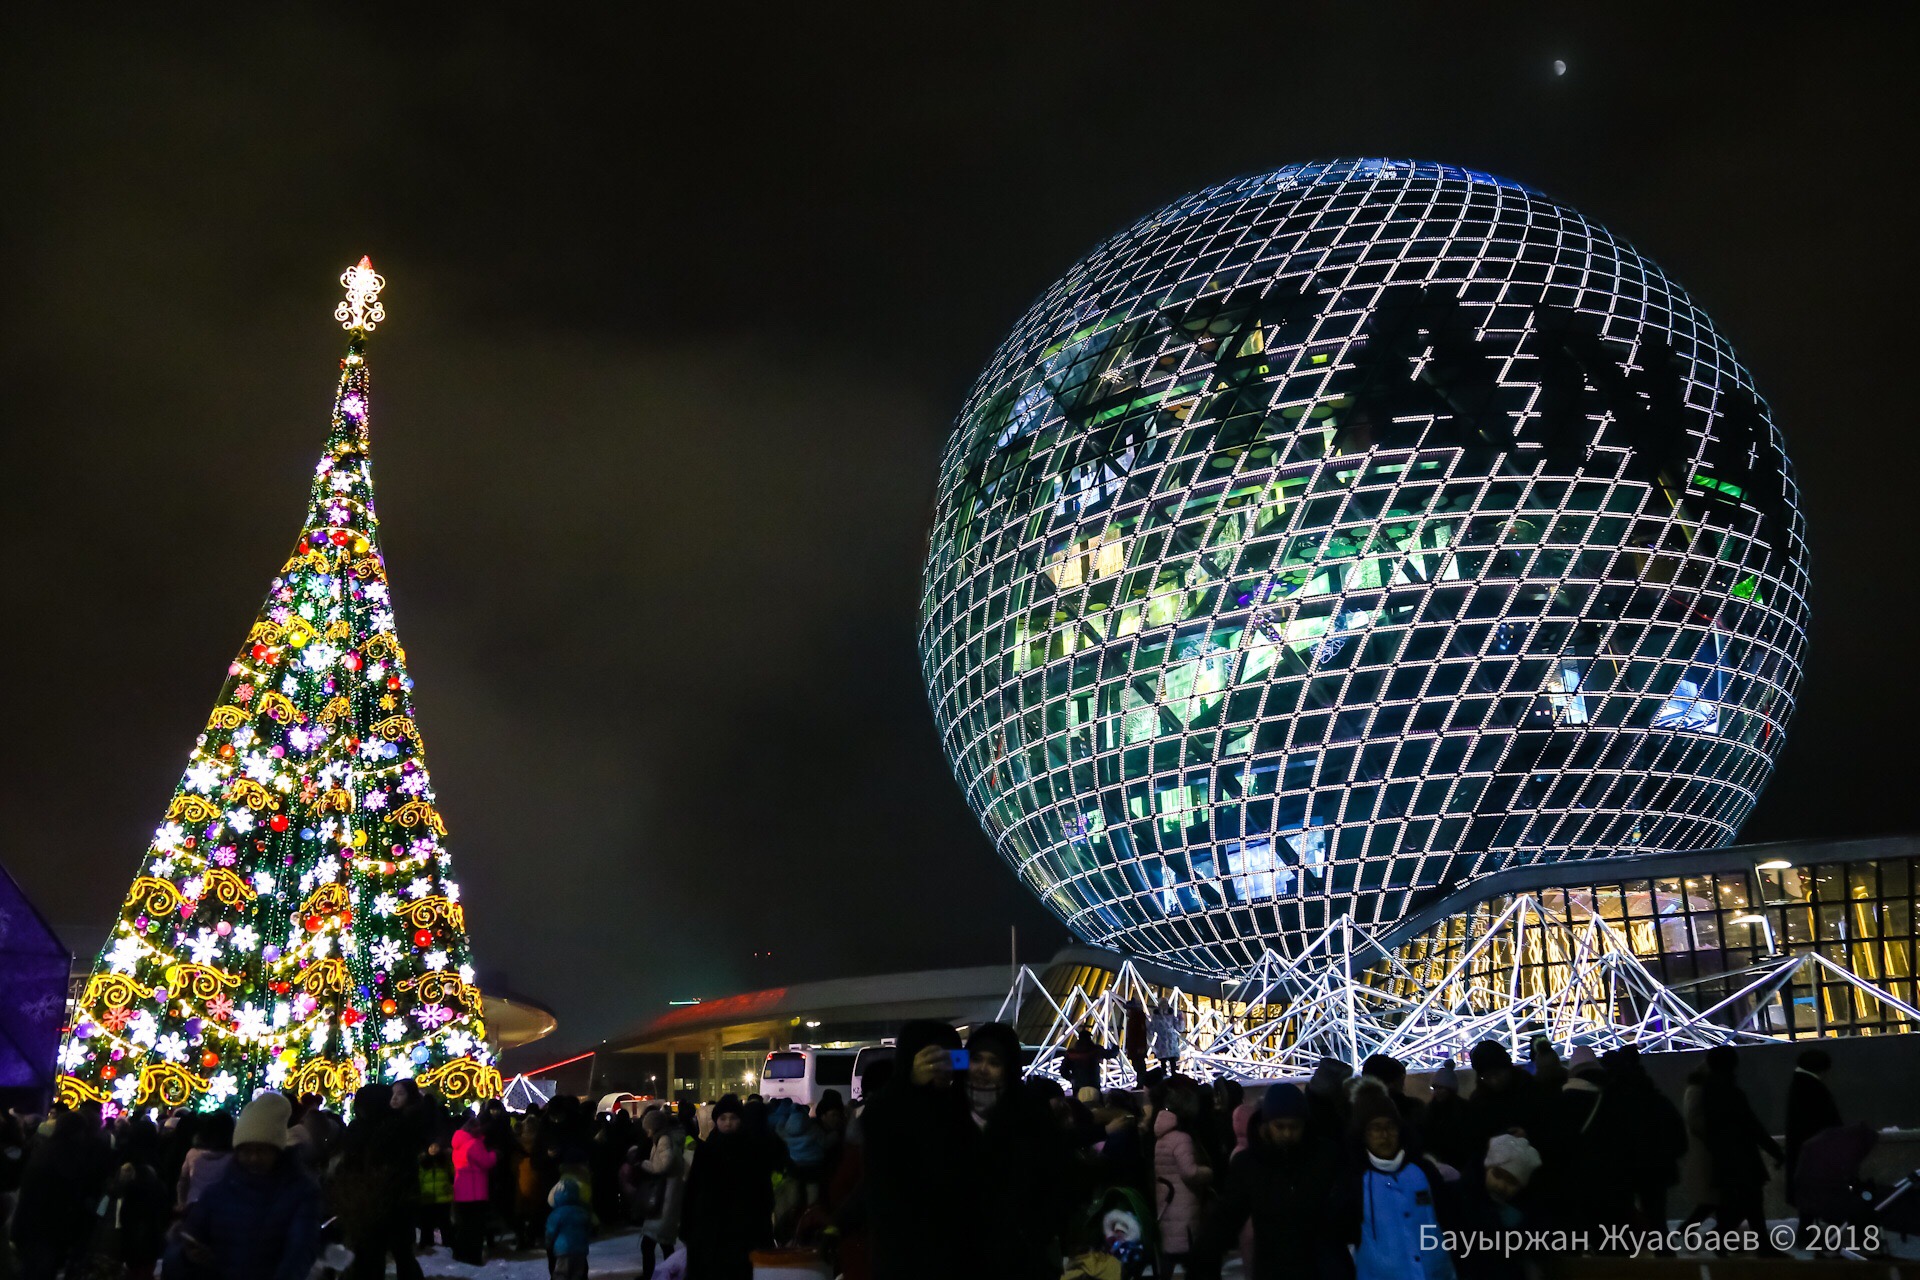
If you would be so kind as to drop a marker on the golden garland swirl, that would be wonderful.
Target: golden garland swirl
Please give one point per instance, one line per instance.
(187, 807)
(279, 708)
(168, 1084)
(338, 799)
(199, 981)
(415, 813)
(382, 645)
(325, 900)
(324, 977)
(252, 794)
(427, 912)
(367, 568)
(71, 1091)
(228, 886)
(441, 985)
(461, 1078)
(266, 632)
(324, 1076)
(394, 728)
(226, 718)
(336, 707)
(114, 990)
(339, 629)
(153, 895)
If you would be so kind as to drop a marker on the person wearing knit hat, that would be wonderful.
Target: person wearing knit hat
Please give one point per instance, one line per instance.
(1279, 1184)
(1511, 1163)
(1384, 1209)
(263, 1218)
(263, 1122)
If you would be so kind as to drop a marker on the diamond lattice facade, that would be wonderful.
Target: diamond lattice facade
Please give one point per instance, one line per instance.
(1338, 535)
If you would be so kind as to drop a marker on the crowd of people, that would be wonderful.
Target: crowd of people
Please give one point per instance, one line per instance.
(956, 1166)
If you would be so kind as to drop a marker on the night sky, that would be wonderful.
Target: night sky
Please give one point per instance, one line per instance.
(679, 317)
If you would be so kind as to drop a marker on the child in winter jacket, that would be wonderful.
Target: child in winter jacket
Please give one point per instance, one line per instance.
(569, 1226)
(1387, 1206)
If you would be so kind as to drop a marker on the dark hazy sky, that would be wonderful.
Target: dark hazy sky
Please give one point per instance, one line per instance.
(680, 311)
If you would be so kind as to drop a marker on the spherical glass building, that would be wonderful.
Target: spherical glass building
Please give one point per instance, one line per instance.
(1337, 535)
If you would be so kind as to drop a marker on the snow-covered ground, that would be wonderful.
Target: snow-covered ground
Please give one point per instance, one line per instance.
(618, 1255)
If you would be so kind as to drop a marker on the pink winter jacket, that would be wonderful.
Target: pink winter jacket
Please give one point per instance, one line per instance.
(471, 1160)
(1174, 1166)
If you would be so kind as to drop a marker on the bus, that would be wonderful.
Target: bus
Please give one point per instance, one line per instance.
(803, 1074)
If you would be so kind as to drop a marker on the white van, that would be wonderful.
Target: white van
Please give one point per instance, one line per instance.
(868, 1056)
(803, 1074)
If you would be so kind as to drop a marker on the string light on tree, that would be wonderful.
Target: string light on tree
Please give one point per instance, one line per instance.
(294, 924)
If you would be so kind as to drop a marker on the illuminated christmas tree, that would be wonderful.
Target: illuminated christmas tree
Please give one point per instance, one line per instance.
(295, 924)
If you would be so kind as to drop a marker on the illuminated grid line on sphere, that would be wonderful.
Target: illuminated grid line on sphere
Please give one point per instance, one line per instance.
(1336, 535)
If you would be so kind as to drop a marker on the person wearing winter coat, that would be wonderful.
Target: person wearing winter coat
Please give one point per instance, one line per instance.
(1810, 1108)
(143, 1205)
(261, 1221)
(569, 1232)
(1080, 1061)
(1655, 1136)
(1735, 1141)
(473, 1162)
(206, 1162)
(1581, 1136)
(1499, 1201)
(534, 1176)
(728, 1211)
(377, 1186)
(1387, 1205)
(436, 1195)
(1163, 1030)
(1446, 1128)
(923, 1189)
(656, 1180)
(1696, 1167)
(1505, 1100)
(806, 1152)
(1280, 1185)
(1327, 1103)
(60, 1188)
(1133, 1039)
(1025, 1175)
(1180, 1174)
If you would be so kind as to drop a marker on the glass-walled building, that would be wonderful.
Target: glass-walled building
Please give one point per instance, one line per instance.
(1711, 926)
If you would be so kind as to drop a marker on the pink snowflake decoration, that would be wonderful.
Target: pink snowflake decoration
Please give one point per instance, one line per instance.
(430, 1016)
(220, 1008)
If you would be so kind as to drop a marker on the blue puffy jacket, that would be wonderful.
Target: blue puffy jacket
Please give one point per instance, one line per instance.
(801, 1133)
(1392, 1224)
(570, 1224)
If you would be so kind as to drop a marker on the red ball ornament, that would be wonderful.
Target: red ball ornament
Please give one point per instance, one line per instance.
(338, 537)
(226, 751)
(388, 1006)
(346, 917)
(422, 937)
(260, 653)
(313, 924)
(393, 682)
(351, 662)
(108, 1073)
(209, 1059)
(278, 822)
(351, 1016)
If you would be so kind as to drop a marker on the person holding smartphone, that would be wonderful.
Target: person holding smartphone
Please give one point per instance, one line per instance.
(923, 1169)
